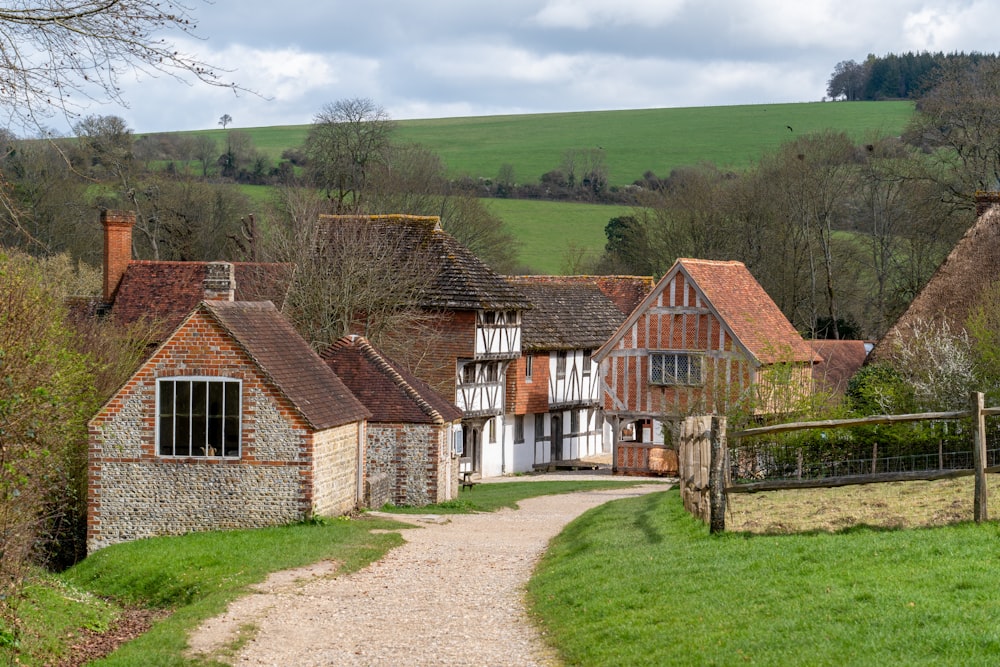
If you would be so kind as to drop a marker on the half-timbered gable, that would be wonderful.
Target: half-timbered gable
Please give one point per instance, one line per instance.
(473, 328)
(705, 337)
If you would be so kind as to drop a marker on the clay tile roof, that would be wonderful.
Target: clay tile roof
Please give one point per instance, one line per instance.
(391, 393)
(281, 354)
(751, 314)
(568, 313)
(166, 292)
(462, 282)
(841, 359)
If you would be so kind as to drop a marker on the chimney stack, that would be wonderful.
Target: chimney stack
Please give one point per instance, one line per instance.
(117, 248)
(220, 281)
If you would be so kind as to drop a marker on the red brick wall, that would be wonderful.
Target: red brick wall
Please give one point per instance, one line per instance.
(451, 336)
(525, 397)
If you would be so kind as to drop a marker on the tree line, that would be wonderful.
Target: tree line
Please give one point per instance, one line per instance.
(895, 76)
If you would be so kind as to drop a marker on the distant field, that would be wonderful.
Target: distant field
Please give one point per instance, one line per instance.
(657, 140)
(634, 142)
(544, 229)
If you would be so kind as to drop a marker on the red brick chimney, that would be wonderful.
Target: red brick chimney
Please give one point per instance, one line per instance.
(117, 248)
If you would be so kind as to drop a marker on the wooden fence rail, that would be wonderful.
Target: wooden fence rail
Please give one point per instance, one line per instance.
(704, 460)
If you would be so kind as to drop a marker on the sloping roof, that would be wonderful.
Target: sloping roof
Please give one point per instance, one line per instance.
(166, 292)
(841, 359)
(731, 291)
(568, 313)
(390, 392)
(626, 292)
(954, 289)
(462, 281)
(322, 399)
(754, 318)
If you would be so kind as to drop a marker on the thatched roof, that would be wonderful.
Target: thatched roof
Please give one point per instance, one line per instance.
(955, 288)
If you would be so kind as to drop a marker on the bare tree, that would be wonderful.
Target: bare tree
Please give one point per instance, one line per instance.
(58, 55)
(347, 140)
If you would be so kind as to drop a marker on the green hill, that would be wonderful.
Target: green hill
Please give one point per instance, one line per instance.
(634, 142)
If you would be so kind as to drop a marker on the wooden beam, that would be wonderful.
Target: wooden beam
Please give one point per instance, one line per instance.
(860, 421)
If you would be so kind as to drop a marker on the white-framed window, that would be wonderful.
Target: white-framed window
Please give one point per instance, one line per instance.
(539, 426)
(574, 421)
(675, 368)
(586, 363)
(198, 416)
(527, 366)
(561, 365)
(491, 430)
(518, 428)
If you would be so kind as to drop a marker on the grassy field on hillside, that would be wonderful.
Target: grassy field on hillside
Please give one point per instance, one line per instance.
(545, 227)
(634, 141)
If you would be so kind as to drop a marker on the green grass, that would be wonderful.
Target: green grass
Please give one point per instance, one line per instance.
(545, 229)
(194, 576)
(639, 582)
(634, 141)
(493, 496)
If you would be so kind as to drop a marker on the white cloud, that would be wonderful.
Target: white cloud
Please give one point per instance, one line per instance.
(586, 14)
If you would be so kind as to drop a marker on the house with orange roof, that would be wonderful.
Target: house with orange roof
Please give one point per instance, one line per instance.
(412, 430)
(706, 339)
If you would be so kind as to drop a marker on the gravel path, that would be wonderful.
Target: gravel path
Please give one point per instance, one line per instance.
(452, 594)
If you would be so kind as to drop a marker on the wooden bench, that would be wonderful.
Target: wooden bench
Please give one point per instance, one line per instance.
(465, 473)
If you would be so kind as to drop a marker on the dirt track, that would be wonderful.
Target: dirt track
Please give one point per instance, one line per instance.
(453, 594)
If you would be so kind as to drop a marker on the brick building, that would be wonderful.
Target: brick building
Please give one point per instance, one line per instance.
(705, 337)
(232, 422)
(472, 331)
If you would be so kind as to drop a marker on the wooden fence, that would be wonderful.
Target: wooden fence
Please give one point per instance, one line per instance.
(704, 460)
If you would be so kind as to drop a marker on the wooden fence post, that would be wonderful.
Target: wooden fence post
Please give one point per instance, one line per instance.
(979, 510)
(717, 476)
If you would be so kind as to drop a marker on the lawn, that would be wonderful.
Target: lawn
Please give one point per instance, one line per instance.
(640, 582)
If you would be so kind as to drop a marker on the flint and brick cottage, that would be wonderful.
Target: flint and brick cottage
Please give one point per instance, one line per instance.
(233, 422)
(411, 431)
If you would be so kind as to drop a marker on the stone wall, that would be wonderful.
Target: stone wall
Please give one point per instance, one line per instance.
(417, 458)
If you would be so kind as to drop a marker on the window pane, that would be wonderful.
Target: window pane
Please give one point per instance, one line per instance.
(166, 418)
(182, 422)
(231, 439)
(199, 418)
(539, 427)
(216, 403)
(656, 368)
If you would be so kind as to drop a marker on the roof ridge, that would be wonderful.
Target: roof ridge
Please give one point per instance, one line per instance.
(383, 365)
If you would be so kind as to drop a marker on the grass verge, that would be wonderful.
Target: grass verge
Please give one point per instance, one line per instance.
(494, 496)
(194, 577)
(640, 582)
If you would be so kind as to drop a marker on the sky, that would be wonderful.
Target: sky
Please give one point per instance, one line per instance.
(447, 58)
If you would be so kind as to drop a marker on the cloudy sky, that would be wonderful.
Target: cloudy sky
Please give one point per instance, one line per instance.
(443, 58)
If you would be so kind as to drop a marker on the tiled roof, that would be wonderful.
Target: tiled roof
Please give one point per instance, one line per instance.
(166, 292)
(626, 292)
(841, 359)
(316, 392)
(462, 281)
(568, 313)
(391, 393)
(751, 314)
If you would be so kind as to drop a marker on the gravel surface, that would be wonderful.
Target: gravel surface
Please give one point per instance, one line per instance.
(452, 594)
